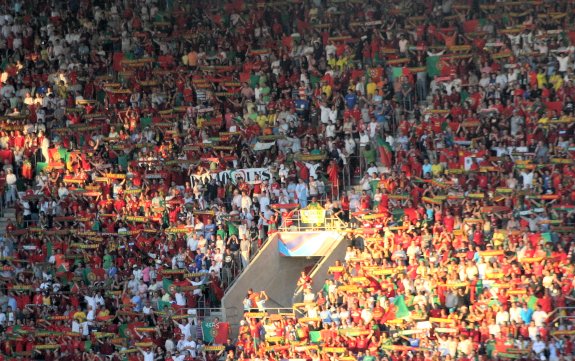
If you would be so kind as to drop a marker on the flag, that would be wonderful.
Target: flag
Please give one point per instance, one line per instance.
(397, 72)
(49, 249)
(396, 310)
(385, 152)
(233, 229)
(315, 336)
(167, 284)
(433, 64)
(40, 166)
(215, 333)
(163, 305)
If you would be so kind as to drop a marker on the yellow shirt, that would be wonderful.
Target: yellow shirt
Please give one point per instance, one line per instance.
(327, 90)
(370, 88)
(436, 169)
(272, 118)
(262, 121)
(498, 238)
(557, 81)
(332, 62)
(342, 63)
(541, 80)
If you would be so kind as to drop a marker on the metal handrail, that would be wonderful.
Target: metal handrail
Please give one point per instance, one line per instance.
(563, 317)
(331, 223)
(278, 310)
(299, 289)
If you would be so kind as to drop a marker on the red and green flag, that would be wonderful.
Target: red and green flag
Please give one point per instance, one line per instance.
(385, 152)
(433, 64)
(398, 309)
(215, 333)
(167, 284)
(397, 72)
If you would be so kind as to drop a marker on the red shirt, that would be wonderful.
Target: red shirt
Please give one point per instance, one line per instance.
(546, 303)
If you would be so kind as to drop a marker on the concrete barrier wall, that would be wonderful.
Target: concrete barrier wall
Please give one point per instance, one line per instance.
(270, 272)
(319, 274)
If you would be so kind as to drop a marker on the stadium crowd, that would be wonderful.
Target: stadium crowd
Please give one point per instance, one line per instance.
(150, 147)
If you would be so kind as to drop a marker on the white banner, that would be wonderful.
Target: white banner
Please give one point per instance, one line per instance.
(263, 146)
(248, 175)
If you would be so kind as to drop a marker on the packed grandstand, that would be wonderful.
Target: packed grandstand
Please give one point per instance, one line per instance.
(150, 149)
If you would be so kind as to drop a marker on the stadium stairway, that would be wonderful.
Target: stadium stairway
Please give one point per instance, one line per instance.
(277, 275)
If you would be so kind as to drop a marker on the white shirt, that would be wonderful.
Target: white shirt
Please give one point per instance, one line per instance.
(350, 145)
(538, 346)
(11, 179)
(494, 330)
(502, 317)
(363, 139)
(539, 317)
(527, 179)
(85, 329)
(91, 301)
(180, 299)
(312, 169)
(515, 314)
(325, 114)
(75, 327)
(191, 344)
(533, 332)
(563, 62)
(246, 202)
(186, 329)
(330, 131)
(148, 356)
(26, 207)
(237, 200)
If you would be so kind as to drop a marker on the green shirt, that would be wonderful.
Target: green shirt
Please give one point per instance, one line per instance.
(107, 262)
(489, 348)
(123, 161)
(254, 80)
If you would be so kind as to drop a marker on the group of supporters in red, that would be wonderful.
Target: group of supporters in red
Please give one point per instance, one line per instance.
(149, 148)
